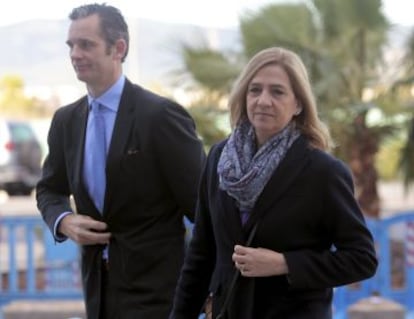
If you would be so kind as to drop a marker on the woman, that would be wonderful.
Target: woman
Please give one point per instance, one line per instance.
(274, 172)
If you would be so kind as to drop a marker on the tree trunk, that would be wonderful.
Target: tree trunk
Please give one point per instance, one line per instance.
(363, 148)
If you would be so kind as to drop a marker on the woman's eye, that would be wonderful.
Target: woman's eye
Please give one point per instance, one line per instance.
(254, 90)
(277, 92)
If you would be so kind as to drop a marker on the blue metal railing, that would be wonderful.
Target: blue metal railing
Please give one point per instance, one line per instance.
(394, 240)
(33, 266)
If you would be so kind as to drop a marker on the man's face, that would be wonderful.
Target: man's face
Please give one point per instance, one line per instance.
(94, 62)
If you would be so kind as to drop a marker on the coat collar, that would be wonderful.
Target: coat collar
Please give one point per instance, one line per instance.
(289, 169)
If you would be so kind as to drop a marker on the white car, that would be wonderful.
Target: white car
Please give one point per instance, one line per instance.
(20, 157)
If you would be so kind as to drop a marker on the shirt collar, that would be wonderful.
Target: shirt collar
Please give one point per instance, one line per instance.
(111, 97)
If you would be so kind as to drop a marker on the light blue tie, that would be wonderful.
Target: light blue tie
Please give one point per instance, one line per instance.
(95, 155)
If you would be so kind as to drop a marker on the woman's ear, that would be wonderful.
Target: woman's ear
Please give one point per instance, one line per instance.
(298, 110)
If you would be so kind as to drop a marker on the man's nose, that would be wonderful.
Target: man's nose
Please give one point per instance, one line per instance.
(75, 52)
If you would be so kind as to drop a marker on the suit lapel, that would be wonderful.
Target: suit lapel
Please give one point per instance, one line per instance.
(288, 170)
(78, 129)
(122, 128)
(123, 123)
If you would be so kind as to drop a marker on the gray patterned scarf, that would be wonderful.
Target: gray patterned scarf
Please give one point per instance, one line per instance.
(243, 170)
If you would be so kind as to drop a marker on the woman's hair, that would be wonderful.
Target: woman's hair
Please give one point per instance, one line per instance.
(307, 121)
(113, 25)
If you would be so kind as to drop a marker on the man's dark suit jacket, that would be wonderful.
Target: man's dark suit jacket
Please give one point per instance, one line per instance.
(305, 209)
(153, 168)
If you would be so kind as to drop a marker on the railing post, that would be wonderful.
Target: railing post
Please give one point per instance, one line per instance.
(339, 307)
(31, 267)
(410, 266)
(383, 282)
(13, 271)
(373, 284)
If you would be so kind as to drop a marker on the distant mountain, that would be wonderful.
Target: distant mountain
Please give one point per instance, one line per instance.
(36, 50)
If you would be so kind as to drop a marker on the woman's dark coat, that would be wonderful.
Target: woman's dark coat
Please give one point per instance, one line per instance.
(308, 212)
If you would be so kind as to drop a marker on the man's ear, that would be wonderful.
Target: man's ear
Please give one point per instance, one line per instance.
(120, 48)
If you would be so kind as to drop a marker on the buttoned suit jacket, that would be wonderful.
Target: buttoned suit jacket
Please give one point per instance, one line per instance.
(307, 211)
(153, 167)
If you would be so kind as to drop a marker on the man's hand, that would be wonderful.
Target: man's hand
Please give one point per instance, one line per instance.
(84, 230)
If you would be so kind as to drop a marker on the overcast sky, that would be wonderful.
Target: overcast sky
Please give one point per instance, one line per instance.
(219, 13)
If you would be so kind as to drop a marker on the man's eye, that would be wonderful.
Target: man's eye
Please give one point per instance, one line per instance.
(85, 44)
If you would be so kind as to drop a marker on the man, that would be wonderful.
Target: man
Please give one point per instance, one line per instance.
(131, 160)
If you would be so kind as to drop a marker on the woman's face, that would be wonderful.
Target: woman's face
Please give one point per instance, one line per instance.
(270, 102)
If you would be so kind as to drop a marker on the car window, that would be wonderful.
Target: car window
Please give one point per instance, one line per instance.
(21, 132)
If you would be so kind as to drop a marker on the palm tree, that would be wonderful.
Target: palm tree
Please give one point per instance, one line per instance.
(403, 86)
(341, 43)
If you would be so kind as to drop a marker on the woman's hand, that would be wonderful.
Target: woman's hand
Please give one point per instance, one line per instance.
(259, 262)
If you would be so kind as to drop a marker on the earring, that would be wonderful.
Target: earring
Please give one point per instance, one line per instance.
(298, 111)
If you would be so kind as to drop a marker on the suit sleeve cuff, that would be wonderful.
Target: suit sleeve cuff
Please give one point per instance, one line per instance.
(58, 236)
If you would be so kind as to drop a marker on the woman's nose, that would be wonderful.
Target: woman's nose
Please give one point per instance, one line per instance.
(264, 98)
